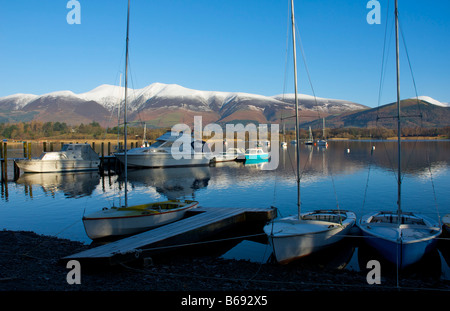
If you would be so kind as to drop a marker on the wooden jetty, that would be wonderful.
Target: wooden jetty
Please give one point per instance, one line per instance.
(202, 223)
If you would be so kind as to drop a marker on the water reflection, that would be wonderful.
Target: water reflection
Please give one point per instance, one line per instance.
(174, 183)
(235, 184)
(73, 185)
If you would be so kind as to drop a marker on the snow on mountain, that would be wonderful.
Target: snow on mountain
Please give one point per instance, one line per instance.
(17, 101)
(109, 96)
(432, 101)
(308, 102)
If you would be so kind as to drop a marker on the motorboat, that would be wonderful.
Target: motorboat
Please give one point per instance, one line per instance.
(168, 151)
(71, 157)
(256, 154)
(231, 154)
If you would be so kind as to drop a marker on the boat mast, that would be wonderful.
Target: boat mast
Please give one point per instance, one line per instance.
(125, 107)
(297, 128)
(399, 181)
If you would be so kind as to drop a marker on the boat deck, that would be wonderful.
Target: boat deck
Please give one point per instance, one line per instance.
(202, 222)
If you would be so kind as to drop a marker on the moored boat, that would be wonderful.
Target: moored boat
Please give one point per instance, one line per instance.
(446, 223)
(71, 158)
(402, 243)
(293, 238)
(232, 154)
(301, 235)
(400, 237)
(256, 154)
(120, 221)
(163, 153)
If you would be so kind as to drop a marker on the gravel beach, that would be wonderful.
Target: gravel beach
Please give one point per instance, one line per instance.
(31, 262)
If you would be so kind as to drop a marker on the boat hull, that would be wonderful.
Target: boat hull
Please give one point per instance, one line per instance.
(446, 223)
(401, 245)
(54, 166)
(292, 239)
(119, 222)
(155, 160)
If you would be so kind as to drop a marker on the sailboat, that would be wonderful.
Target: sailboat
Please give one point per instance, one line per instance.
(400, 237)
(323, 142)
(310, 140)
(126, 220)
(298, 236)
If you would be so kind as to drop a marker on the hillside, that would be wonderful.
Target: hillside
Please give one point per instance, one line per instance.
(163, 105)
(415, 113)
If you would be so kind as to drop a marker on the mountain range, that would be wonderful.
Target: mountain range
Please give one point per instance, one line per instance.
(163, 105)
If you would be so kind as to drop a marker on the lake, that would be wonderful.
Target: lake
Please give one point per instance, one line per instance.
(359, 176)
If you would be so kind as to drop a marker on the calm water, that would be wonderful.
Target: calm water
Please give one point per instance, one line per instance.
(346, 174)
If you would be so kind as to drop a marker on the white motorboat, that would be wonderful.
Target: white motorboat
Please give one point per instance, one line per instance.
(232, 154)
(71, 157)
(168, 151)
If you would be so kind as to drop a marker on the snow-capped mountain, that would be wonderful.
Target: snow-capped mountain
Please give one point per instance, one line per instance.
(166, 104)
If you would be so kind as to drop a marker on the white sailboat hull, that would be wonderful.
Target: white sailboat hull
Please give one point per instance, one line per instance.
(292, 239)
(126, 221)
(401, 245)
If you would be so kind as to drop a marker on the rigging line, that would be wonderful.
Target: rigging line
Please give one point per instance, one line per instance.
(415, 89)
(306, 68)
(367, 181)
(432, 186)
(287, 50)
(382, 74)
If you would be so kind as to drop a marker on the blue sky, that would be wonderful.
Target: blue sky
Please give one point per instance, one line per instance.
(217, 45)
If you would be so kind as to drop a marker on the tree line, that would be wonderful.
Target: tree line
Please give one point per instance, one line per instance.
(36, 130)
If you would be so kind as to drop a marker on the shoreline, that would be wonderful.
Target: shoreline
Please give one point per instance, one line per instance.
(31, 262)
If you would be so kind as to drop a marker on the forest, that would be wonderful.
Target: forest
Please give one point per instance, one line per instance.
(36, 130)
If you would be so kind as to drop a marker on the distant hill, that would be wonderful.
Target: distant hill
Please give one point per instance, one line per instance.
(163, 105)
(421, 112)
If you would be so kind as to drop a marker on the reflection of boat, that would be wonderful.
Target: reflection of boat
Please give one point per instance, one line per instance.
(256, 154)
(168, 151)
(73, 185)
(71, 157)
(118, 221)
(175, 182)
(232, 154)
(305, 233)
(127, 219)
(284, 145)
(400, 237)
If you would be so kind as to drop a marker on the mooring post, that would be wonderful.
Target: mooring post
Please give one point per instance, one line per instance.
(5, 162)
